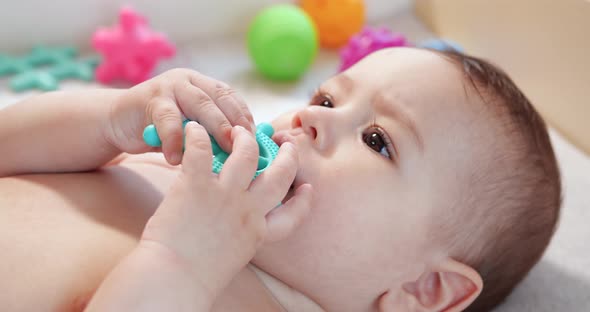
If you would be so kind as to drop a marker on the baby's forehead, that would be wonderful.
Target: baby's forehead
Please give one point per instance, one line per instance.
(415, 74)
(407, 60)
(423, 82)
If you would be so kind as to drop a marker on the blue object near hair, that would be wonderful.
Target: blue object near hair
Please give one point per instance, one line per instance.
(267, 147)
(442, 45)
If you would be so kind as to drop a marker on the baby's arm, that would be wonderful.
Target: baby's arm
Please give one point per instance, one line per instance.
(83, 130)
(57, 132)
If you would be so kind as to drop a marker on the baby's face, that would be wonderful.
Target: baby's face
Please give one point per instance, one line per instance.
(383, 162)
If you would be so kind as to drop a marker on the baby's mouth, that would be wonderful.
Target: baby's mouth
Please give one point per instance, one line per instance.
(282, 136)
(289, 194)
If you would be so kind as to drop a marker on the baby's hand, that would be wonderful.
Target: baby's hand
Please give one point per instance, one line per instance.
(163, 101)
(211, 224)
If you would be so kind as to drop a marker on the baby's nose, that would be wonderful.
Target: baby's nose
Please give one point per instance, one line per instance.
(301, 121)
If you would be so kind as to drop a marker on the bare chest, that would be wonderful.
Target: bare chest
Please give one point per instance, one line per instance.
(60, 235)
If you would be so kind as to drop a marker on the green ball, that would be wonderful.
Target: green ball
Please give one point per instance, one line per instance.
(282, 41)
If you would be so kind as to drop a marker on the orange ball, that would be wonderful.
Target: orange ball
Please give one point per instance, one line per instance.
(336, 20)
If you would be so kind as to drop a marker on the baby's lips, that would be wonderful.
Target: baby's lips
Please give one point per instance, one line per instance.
(290, 135)
(281, 137)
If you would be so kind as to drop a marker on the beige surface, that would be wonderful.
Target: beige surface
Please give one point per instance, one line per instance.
(543, 44)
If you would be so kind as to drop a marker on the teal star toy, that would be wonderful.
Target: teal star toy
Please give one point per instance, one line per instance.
(60, 62)
(42, 55)
(10, 65)
(83, 70)
(34, 80)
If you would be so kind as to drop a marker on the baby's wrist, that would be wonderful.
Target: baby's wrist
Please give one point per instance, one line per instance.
(172, 264)
(107, 126)
(118, 110)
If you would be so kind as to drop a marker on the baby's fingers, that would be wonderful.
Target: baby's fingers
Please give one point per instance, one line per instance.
(240, 167)
(197, 105)
(273, 184)
(197, 160)
(167, 118)
(283, 220)
(227, 99)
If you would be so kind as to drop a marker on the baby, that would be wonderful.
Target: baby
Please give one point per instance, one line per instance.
(425, 181)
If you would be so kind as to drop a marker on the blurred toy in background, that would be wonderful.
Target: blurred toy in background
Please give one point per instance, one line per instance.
(366, 42)
(441, 45)
(130, 49)
(282, 42)
(336, 20)
(43, 68)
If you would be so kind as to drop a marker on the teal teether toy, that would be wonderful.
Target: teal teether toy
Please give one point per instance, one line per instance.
(267, 147)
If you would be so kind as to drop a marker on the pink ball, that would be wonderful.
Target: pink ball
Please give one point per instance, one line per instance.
(368, 41)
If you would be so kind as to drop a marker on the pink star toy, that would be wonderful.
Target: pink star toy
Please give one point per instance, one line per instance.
(130, 50)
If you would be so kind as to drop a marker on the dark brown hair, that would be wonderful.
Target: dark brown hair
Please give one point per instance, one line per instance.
(516, 209)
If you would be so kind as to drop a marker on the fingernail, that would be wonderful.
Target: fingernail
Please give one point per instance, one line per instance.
(235, 130)
(191, 123)
(249, 128)
(176, 157)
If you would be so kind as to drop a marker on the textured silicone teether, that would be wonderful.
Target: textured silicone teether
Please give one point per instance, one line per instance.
(267, 147)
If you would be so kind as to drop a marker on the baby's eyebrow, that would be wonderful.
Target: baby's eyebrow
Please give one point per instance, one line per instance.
(389, 108)
(345, 82)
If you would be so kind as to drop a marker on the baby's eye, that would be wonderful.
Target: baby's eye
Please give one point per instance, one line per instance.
(377, 141)
(322, 100)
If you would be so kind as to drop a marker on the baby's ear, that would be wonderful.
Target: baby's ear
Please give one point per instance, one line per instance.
(450, 287)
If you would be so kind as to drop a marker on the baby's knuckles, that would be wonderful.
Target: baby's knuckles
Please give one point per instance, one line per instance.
(241, 211)
(223, 91)
(253, 221)
(164, 84)
(206, 103)
(163, 113)
(182, 73)
(249, 230)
